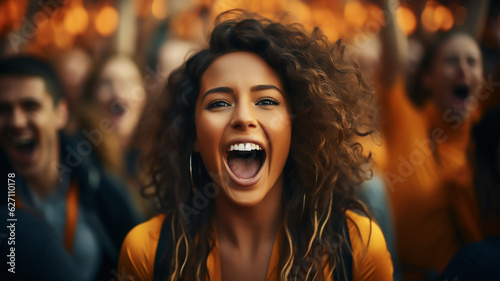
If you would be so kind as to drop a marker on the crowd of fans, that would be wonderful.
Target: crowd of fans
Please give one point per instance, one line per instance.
(72, 130)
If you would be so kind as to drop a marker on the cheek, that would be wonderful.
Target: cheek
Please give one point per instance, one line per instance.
(443, 74)
(477, 73)
(209, 131)
(279, 131)
(137, 96)
(46, 125)
(103, 94)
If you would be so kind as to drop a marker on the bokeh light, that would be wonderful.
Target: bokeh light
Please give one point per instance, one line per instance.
(82, 21)
(355, 13)
(76, 20)
(406, 20)
(428, 19)
(443, 17)
(159, 9)
(106, 21)
(11, 14)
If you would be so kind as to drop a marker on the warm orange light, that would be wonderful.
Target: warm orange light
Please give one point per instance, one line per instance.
(106, 21)
(355, 13)
(44, 35)
(76, 20)
(375, 20)
(2, 18)
(406, 20)
(159, 9)
(12, 13)
(428, 19)
(141, 8)
(61, 38)
(326, 20)
(459, 14)
(301, 11)
(443, 18)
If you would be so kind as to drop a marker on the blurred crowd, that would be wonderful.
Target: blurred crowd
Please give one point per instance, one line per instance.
(72, 113)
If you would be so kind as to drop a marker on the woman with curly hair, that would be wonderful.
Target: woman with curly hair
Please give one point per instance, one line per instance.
(254, 156)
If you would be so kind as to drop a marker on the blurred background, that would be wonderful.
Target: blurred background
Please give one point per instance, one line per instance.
(138, 28)
(113, 58)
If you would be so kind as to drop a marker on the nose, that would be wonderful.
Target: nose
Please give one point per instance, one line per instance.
(17, 118)
(244, 116)
(463, 69)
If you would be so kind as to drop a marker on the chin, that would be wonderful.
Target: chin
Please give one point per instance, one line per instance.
(245, 198)
(27, 171)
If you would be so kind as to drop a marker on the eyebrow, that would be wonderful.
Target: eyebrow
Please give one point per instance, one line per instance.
(226, 90)
(265, 87)
(255, 88)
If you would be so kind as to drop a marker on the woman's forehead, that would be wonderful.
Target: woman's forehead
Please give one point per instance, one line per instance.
(239, 67)
(460, 44)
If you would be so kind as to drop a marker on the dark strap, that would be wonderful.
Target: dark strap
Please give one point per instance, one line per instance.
(344, 273)
(163, 253)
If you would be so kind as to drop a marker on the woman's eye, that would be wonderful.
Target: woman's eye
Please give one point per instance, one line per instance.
(451, 60)
(217, 104)
(471, 61)
(267, 102)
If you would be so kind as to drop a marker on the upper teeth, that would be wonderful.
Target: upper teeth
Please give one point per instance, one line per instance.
(244, 147)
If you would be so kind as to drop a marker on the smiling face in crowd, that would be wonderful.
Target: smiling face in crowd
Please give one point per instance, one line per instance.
(243, 126)
(29, 122)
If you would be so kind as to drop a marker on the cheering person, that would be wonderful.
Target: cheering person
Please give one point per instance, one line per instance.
(253, 154)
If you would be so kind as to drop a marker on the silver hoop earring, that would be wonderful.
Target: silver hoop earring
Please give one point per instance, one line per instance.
(191, 172)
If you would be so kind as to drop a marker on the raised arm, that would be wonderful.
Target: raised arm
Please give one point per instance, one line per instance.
(477, 12)
(394, 47)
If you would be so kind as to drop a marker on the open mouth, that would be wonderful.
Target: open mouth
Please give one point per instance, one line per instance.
(23, 150)
(25, 146)
(118, 109)
(245, 161)
(461, 92)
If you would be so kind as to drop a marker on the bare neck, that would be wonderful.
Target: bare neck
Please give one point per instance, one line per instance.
(248, 227)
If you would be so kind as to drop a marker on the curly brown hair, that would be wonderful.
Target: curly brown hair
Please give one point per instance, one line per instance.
(331, 106)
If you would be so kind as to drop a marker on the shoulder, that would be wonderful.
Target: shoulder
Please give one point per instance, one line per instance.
(139, 249)
(371, 259)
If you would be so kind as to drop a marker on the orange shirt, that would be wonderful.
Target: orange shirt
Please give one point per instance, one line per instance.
(429, 181)
(371, 261)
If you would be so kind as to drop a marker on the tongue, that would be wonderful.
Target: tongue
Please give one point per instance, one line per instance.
(243, 168)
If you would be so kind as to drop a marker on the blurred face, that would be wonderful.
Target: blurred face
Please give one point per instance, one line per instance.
(243, 126)
(120, 95)
(172, 55)
(29, 122)
(455, 73)
(73, 68)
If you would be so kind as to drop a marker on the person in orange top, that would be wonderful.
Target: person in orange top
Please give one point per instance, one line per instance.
(425, 142)
(254, 158)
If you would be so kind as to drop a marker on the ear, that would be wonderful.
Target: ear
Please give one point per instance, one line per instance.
(61, 112)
